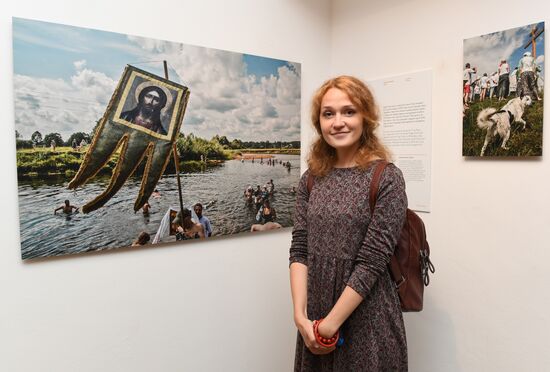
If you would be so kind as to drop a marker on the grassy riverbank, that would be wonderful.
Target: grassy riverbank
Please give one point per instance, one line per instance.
(241, 152)
(64, 161)
(43, 162)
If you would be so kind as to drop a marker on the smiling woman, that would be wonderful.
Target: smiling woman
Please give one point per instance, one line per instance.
(341, 125)
(340, 248)
(345, 116)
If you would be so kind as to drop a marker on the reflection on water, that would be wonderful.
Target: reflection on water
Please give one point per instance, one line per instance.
(115, 225)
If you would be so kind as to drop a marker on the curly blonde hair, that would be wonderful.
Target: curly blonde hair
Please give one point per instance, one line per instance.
(322, 156)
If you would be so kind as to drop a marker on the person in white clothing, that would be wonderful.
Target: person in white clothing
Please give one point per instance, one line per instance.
(493, 83)
(527, 69)
(513, 82)
(503, 79)
(474, 81)
(484, 82)
(467, 82)
(477, 91)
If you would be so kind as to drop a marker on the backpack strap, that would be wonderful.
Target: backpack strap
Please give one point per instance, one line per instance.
(375, 183)
(309, 183)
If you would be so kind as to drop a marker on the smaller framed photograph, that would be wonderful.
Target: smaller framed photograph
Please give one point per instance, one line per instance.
(503, 93)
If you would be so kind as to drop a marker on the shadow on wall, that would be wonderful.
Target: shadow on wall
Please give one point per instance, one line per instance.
(431, 339)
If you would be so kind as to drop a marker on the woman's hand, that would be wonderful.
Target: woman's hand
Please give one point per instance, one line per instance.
(305, 327)
(326, 329)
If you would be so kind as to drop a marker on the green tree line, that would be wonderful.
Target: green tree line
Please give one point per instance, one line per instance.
(190, 145)
(193, 152)
(237, 144)
(197, 148)
(37, 140)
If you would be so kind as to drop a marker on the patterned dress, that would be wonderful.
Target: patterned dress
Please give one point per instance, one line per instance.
(341, 245)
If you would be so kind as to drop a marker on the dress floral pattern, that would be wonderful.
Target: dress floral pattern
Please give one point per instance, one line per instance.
(335, 236)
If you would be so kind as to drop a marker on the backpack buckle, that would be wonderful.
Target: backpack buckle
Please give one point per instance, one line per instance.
(426, 266)
(400, 282)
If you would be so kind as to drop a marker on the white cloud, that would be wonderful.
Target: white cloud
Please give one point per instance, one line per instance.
(540, 63)
(65, 107)
(94, 85)
(79, 65)
(288, 87)
(225, 100)
(485, 52)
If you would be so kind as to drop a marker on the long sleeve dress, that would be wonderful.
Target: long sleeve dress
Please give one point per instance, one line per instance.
(336, 238)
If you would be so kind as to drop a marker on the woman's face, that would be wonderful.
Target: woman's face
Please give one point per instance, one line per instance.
(341, 122)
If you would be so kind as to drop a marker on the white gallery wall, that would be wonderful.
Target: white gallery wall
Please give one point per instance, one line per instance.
(222, 305)
(487, 306)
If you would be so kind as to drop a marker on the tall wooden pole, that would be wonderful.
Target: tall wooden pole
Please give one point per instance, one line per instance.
(533, 42)
(177, 164)
(165, 69)
(175, 154)
(535, 33)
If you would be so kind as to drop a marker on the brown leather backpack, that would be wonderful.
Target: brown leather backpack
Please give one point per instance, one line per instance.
(410, 264)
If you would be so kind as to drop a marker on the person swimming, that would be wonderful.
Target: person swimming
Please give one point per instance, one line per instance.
(142, 239)
(186, 228)
(266, 213)
(210, 203)
(248, 194)
(67, 208)
(265, 226)
(270, 187)
(146, 208)
(258, 200)
(265, 193)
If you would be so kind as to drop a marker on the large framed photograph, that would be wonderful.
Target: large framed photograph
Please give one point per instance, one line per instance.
(95, 161)
(503, 93)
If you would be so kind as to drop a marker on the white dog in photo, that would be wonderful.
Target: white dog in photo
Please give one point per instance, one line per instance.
(500, 122)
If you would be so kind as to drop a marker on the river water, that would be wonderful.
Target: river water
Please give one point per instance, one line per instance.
(219, 189)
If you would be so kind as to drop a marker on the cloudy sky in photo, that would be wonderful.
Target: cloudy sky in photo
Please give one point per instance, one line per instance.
(64, 77)
(486, 51)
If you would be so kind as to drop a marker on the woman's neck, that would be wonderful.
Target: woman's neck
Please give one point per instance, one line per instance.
(345, 157)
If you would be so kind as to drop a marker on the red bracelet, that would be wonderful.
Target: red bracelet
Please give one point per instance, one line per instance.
(326, 342)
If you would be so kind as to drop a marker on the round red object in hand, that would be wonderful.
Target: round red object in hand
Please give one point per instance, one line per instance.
(326, 342)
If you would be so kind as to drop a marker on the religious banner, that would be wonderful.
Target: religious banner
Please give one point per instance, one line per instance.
(100, 115)
(502, 93)
(142, 120)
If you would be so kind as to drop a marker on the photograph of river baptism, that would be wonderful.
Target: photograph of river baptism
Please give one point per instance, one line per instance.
(99, 116)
